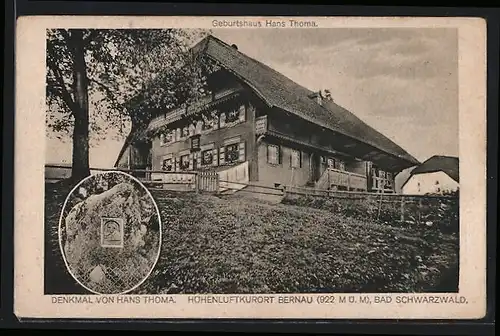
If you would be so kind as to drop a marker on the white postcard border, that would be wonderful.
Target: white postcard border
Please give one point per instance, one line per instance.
(30, 302)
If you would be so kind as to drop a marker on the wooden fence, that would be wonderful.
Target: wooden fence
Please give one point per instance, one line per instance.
(384, 207)
(159, 179)
(427, 210)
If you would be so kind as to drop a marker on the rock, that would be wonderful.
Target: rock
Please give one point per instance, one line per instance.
(97, 275)
(127, 206)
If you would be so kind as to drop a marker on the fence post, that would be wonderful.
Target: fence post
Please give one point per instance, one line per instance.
(419, 209)
(217, 183)
(402, 209)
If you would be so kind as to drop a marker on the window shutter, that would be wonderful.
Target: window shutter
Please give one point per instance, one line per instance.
(279, 154)
(216, 122)
(198, 159)
(176, 164)
(241, 115)
(222, 158)
(214, 153)
(191, 161)
(222, 119)
(242, 151)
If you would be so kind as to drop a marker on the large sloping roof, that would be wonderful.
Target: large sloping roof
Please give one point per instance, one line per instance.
(279, 91)
(446, 164)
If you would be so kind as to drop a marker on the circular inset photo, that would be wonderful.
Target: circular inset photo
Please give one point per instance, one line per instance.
(110, 233)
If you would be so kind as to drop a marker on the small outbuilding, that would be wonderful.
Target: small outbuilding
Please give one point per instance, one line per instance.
(437, 175)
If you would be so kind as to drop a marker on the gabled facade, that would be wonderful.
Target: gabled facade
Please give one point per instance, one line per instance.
(437, 175)
(280, 132)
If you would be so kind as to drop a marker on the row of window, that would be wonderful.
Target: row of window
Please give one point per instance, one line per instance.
(382, 174)
(220, 120)
(334, 163)
(210, 156)
(274, 156)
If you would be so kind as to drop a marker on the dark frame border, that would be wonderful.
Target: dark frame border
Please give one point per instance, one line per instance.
(18, 8)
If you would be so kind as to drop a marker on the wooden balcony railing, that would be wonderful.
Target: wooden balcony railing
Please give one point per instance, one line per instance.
(338, 178)
(382, 184)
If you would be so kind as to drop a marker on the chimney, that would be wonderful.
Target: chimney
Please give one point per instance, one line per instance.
(317, 96)
(327, 95)
(234, 46)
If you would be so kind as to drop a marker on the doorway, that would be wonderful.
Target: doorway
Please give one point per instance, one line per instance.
(314, 166)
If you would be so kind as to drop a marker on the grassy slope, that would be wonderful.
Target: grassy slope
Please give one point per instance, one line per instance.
(213, 245)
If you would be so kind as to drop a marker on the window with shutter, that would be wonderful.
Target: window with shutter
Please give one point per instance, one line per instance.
(232, 116)
(232, 153)
(222, 157)
(242, 151)
(184, 162)
(167, 164)
(207, 157)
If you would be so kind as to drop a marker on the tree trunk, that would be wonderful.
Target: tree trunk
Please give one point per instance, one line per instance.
(80, 167)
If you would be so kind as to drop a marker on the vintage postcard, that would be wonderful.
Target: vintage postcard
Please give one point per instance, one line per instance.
(250, 167)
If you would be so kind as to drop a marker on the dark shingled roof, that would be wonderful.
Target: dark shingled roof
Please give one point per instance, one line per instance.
(279, 91)
(446, 164)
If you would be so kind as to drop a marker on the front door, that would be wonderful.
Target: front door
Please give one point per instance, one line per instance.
(314, 164)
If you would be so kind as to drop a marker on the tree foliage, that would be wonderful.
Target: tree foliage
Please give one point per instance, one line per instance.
(131, 73)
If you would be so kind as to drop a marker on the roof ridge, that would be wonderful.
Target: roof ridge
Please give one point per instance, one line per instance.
(227, 45)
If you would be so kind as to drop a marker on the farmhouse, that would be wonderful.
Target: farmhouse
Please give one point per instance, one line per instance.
(258, 126)
(437, 175)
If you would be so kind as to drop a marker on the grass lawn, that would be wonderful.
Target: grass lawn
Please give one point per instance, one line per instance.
(241, 245)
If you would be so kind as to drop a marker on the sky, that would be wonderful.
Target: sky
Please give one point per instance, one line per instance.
(401, 81)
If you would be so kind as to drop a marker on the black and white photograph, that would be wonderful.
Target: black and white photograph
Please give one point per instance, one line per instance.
(281, 161)
(250, 167)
